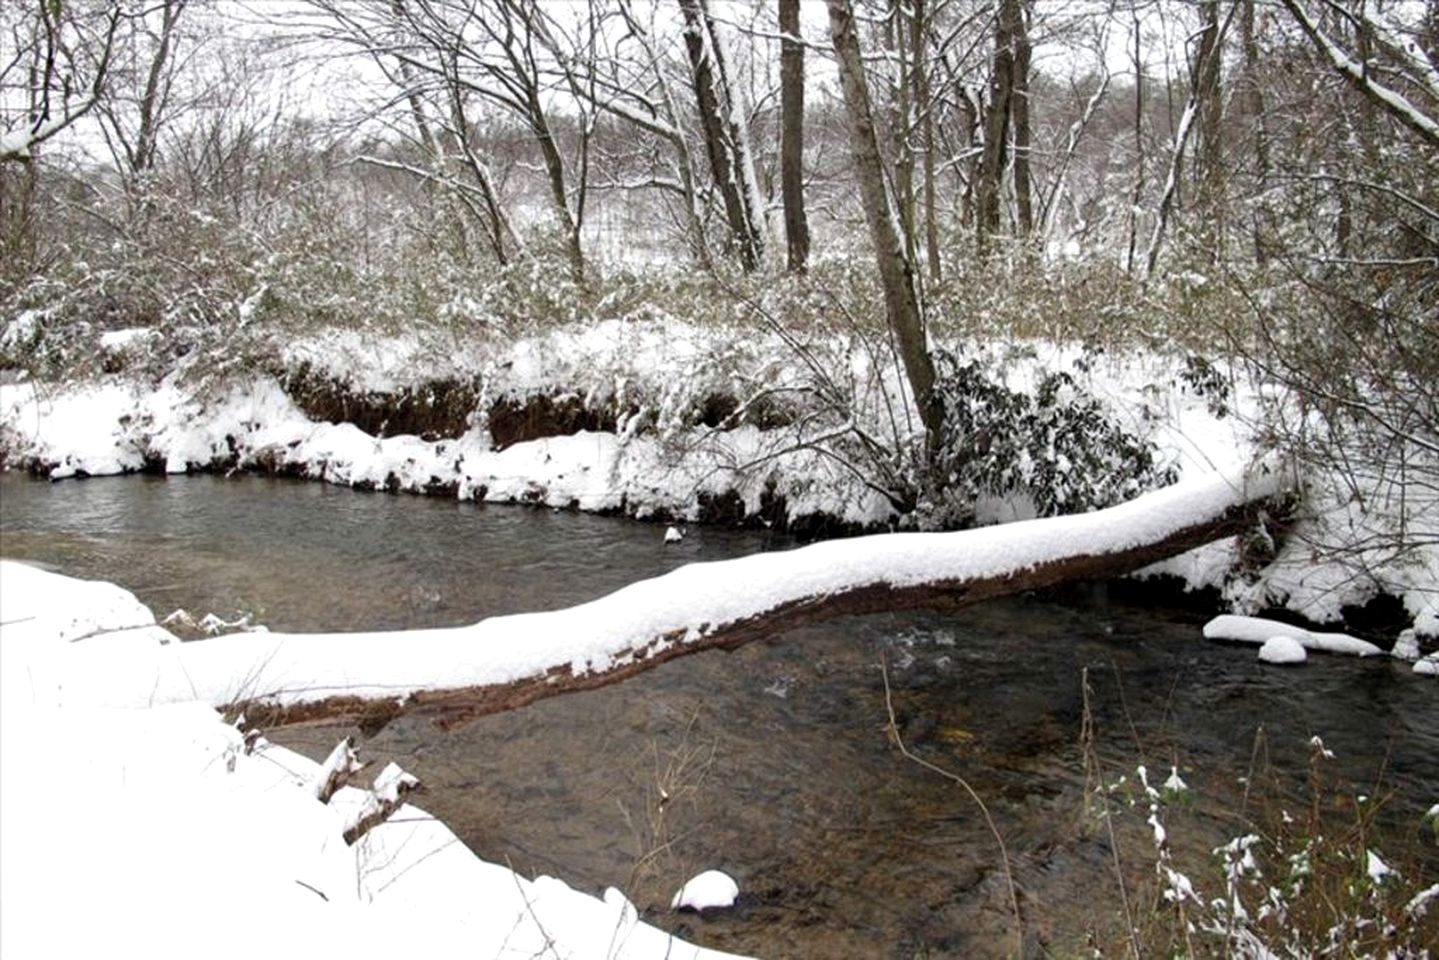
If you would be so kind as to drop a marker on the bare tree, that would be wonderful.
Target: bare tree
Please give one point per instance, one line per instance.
(502, 53)
(1008, 83)
(1023, 130)
(725, 134)
(1411, 97)
(133, 117)
(62, 54)
(628, 75)
(791, 163)
(895, 269)
(924, 109)
(1202, 85)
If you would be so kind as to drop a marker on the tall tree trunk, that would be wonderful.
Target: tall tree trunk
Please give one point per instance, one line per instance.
(969, 116)
(555, 170)
(152, 101)
(895, 270)
(729, 159)
(901, 127)
(924, 113)
(1138, 194)
(996, 123)
(1209, 93)
(1205, 68)
(1023, 199)
(1253, 106)
(1253, 91)
(791, 150)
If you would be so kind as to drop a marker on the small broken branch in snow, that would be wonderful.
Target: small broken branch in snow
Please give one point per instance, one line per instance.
(392, 787)
(254, 740)
(342, 763)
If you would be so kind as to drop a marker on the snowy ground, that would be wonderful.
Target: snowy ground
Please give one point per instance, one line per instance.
(151, 830)
(658, 462)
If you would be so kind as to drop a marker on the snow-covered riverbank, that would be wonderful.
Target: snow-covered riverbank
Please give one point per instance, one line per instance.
(661, 455)
(154, 830)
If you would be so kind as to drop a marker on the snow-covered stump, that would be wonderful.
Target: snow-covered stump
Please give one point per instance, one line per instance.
(392, 787)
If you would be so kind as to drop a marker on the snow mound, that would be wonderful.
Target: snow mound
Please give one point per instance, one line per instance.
(711, 890)
(1260, 630)
(1428, 666)
(1282, 650)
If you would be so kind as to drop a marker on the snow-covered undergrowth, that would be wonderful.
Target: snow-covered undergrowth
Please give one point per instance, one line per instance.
(742, 421)
(1294, 882)
(155, 831)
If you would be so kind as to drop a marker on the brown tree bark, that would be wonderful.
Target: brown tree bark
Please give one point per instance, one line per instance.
(791, 150)
(1137, 193)
(156, 93)
(901, 128)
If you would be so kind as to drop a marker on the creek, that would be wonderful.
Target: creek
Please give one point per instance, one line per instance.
(776, 762)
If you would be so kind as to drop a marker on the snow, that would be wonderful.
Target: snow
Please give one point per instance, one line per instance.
(1260, 630)
(637, 621)
(1282, 650)
(152, 830)
(116, 340)
(673, 535)
(1418, 905)
(1378, 870)
(1406, 646)
(710, 890)
(1427, 666)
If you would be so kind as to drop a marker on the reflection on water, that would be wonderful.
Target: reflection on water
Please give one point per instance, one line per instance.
(773, 762)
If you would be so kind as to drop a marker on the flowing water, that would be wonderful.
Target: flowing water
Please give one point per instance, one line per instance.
(777, 762)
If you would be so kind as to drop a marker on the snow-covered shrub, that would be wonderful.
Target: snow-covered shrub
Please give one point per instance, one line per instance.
(1289, 883)
(1056, 449)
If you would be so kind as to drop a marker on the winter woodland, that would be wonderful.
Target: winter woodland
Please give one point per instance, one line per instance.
(983, 295)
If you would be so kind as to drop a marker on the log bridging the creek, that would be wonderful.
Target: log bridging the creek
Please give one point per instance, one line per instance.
(455, 675)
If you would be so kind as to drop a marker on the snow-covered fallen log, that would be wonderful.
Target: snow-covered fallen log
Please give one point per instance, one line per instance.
(505, 662)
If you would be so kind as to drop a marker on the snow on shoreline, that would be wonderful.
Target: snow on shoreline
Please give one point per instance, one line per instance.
(653, 466)
(151, 829)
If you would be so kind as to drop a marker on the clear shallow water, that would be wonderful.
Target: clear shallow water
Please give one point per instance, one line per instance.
(776, 759)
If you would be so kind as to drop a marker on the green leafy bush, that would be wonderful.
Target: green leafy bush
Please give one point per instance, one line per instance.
(1057, 448)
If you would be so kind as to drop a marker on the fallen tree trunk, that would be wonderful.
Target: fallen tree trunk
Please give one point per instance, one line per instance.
(453, 676)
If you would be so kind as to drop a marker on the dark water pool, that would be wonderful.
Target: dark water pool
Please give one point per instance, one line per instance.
(775, 762)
